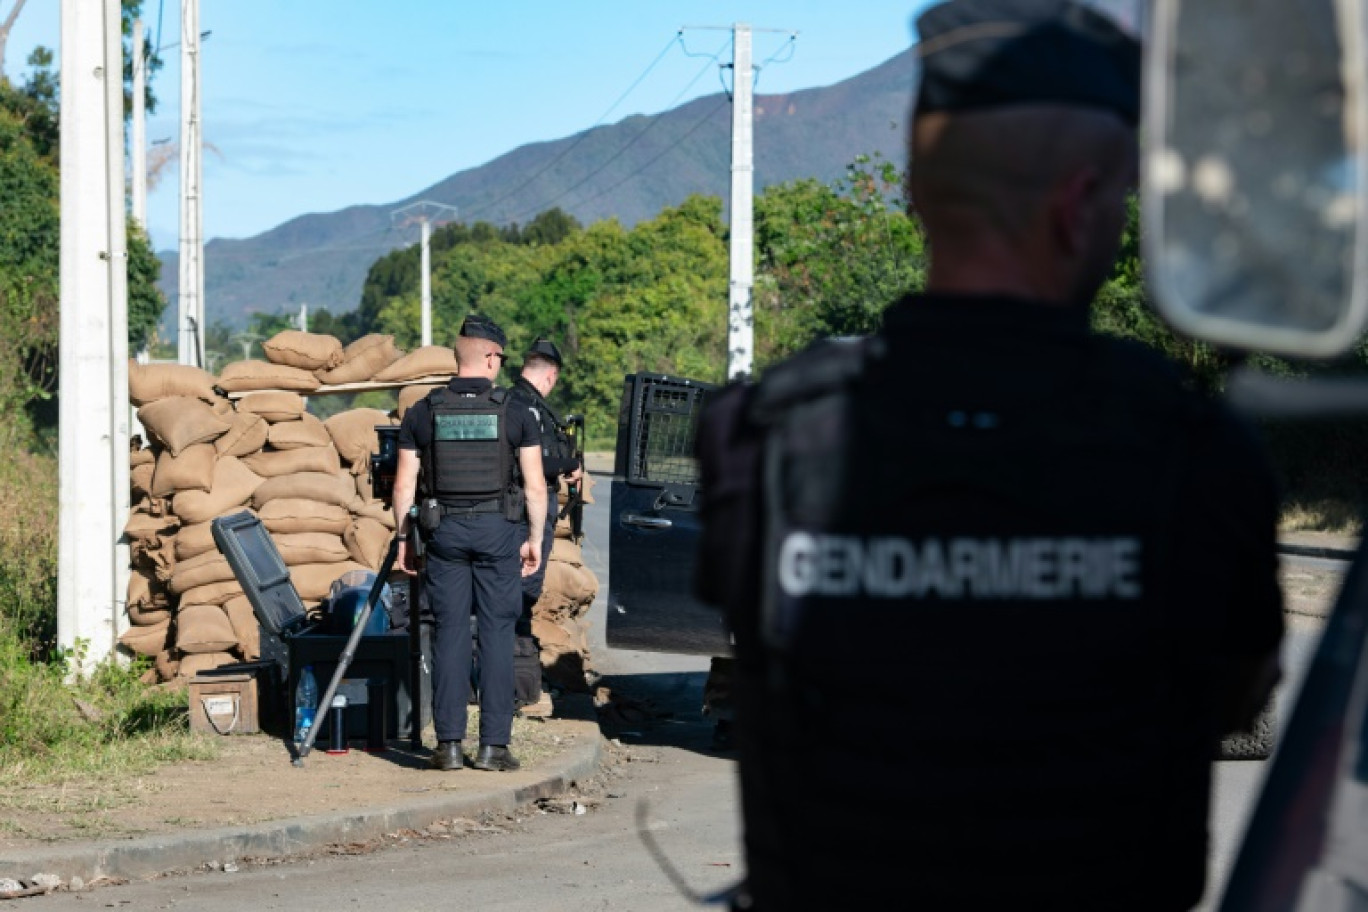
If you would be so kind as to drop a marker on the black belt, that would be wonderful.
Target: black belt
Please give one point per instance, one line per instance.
(484, 506)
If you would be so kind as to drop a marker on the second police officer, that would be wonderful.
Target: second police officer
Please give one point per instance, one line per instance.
(540, 371)
(470, 446)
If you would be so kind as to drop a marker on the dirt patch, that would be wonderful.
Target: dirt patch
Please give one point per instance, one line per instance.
(252, 781)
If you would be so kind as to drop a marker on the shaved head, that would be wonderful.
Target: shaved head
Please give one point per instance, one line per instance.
(1024, 179)
(472, 357)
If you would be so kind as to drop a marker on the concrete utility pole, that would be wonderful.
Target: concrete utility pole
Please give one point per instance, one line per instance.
(303, 317)
(92, 578)
(137, 153)
(740, 318)
(740, 315)
(190, 297)
(424, 212)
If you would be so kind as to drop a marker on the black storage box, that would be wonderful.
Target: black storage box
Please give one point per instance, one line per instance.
(378, 658)
(290, 641)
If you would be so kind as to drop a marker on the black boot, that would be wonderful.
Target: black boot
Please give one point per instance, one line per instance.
(495, 757)
(447, 756)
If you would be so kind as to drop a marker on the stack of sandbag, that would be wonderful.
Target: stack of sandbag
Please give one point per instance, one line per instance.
(560, 617)
(181, 480)
(209, 455)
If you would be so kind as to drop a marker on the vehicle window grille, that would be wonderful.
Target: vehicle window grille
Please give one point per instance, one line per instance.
(667, 411)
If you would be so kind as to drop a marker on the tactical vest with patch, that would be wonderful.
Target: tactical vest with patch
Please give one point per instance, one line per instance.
(967, 611)
(470, 458)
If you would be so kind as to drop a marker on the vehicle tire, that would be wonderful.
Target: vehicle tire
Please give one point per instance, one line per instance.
(1255, 744)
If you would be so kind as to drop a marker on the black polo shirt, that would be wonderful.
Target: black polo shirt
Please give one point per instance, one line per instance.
(415, 431)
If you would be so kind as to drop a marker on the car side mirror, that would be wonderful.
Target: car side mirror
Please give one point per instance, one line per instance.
(1253, 172)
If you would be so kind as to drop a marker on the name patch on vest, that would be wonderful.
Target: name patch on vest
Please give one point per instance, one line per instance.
(891, 567)
(467, 427)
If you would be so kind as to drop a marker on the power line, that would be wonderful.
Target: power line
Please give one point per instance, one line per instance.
(476, 210)
(661, 154)
(631, 142)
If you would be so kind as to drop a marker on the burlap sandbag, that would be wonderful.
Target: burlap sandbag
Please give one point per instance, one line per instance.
(212, 594)
(323, 487)
(141, 456)
(311, 548)
(312, 581)
(193, 663)
(147, 604)
(245, 376)
(166, 664)
(428, 361)
(200, 570)
(375, 510)
(306, 431)
(363, 359)
(180, 421)
(274, 463)
(411, 394)
(367, 541)
(563, 550)
(353, 433)
(147, 640)
(192, 470)
(155, 558)
(246, 627)
(143, 526)
(247, 435)
(365, 489)
(203, 628)
(564, 661)
(305, 350)
(140, 479)
(577, 584)
(147, 617)
(284, 515)
(195, 539)
(150, 382)
(273, 405)
(233, 486)
(563, 529)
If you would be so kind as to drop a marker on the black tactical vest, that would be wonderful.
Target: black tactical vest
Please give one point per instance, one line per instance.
(968, 622)
(470, 458)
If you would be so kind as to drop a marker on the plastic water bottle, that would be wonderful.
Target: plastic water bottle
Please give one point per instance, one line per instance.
(306, 703)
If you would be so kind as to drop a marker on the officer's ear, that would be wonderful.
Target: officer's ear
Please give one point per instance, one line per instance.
(1072, 209)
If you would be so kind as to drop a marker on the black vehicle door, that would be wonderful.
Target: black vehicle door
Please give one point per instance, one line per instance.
(654, 527)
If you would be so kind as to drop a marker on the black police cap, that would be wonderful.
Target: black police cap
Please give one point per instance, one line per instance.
(978, 54)
(478, 327)
(546, 349)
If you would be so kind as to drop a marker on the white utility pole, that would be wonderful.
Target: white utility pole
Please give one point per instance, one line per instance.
(740, 318)
(425, 212)
(93, 430)
(427, 284)
(190, 297)
(137, 160)
(303, 317)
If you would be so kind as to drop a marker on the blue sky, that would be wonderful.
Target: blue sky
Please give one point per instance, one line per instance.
(314, 106)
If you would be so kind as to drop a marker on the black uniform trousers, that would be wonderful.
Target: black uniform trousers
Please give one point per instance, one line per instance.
(532, 584)
(472, 565)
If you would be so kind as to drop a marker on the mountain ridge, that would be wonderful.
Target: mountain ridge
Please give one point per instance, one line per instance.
(628, 170)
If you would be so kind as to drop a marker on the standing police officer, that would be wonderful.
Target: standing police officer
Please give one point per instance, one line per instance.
(541, 369)
(997, 584)
(467, 441)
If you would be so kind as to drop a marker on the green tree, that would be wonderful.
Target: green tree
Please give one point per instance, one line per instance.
(832, 257)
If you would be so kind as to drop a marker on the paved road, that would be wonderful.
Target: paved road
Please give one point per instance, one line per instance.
(594, 861)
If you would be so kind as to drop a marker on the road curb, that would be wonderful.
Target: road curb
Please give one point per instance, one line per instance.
(150, 856)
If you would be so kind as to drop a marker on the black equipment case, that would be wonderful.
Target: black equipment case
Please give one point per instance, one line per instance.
(290, 640)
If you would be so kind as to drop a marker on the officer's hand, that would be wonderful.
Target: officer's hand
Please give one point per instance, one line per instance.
(531, 558)
(403, 559)
(575, 476)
